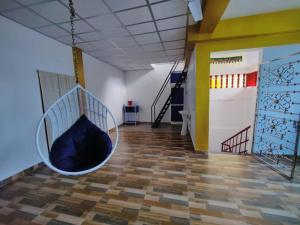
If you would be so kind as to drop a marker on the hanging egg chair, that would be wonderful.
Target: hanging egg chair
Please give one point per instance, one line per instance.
(77, 133)
(72, 136)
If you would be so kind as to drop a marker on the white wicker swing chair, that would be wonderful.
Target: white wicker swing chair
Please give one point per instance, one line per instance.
(63, 114)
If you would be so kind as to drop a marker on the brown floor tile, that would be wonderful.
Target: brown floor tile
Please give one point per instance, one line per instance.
(155, 178)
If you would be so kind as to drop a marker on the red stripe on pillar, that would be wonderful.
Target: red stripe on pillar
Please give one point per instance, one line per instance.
(238, 80)
(221, 81)
(232, 80)
(226, 80)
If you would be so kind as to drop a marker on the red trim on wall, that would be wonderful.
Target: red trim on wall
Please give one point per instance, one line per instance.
(251, 79)
(248, 80)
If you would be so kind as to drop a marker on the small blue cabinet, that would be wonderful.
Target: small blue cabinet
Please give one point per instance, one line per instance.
(131, 114)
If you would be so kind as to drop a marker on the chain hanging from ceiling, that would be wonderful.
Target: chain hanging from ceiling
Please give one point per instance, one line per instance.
(72, 23)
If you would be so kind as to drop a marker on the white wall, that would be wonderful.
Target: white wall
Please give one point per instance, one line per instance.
(107, 83)
(190, 96)
(143, 85)
(23, 51)
(231, 110)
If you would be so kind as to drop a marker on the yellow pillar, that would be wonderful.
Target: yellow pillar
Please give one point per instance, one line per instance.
(78, 65)
(202, 97)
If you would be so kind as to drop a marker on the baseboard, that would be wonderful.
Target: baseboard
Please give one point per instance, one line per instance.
(20, 174)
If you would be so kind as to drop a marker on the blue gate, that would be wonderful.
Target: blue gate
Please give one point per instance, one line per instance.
(276, 135)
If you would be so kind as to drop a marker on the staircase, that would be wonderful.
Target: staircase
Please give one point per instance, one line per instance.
(236, 143)
(156, 120)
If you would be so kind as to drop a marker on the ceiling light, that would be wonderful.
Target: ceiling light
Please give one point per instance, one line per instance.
(195, 8)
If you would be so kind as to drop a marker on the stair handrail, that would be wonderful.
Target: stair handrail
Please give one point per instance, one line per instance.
(173, 68)
(168, 100)
(165, 83)
(228, 144)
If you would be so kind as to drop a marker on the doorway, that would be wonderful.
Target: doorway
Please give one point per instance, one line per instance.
(233, 91)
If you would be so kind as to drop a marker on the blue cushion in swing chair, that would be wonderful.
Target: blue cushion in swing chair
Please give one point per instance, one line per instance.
(81, 147)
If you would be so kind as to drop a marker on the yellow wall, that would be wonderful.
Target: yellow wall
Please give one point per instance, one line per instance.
(241, 33)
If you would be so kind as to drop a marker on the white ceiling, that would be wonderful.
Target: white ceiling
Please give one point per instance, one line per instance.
(128, 34)
(239, 8)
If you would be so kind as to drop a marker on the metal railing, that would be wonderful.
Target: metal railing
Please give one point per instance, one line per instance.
(163, 87)
(236, 143)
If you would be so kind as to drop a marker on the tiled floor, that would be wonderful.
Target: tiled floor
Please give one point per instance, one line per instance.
(155, 178)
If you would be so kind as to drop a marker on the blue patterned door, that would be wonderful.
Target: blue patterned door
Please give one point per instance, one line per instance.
(277, 114)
